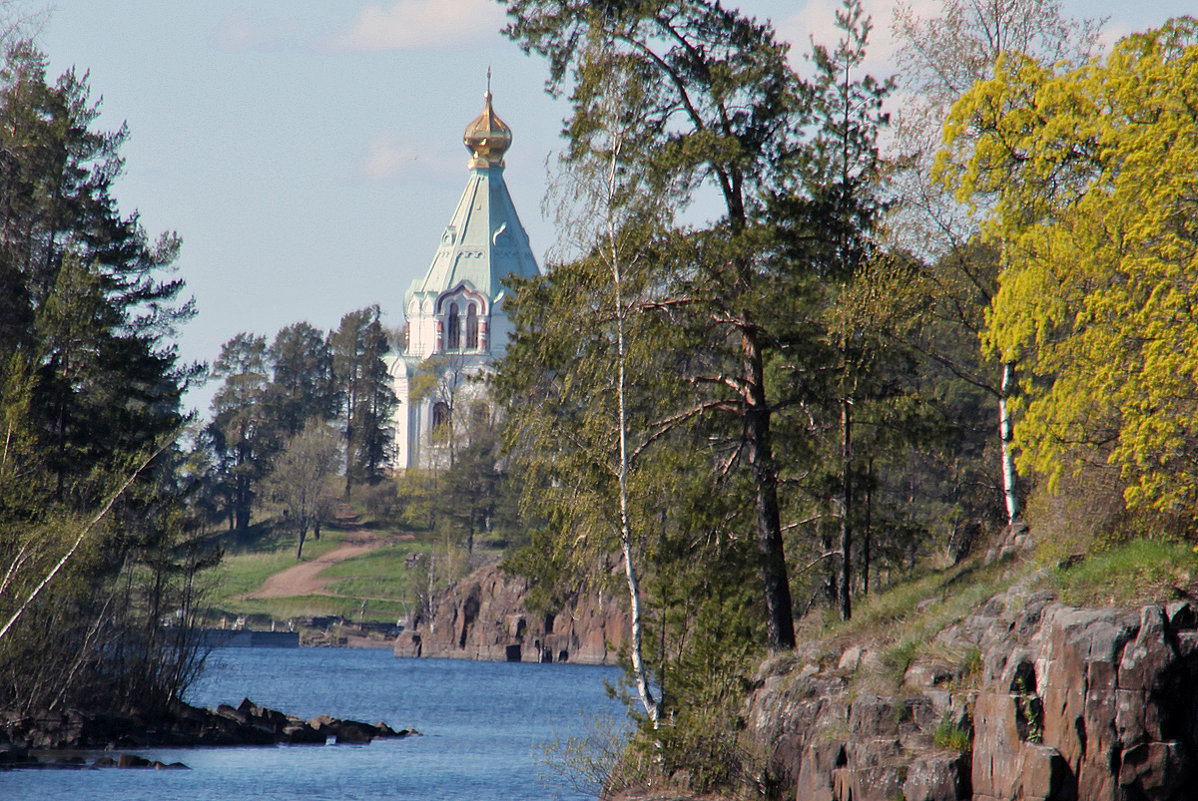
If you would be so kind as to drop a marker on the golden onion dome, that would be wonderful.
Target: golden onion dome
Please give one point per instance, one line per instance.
(487, 137)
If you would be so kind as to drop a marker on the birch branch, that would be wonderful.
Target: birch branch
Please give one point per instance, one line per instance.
(104, 510)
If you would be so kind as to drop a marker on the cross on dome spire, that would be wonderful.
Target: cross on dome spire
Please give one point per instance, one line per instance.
(487, 137)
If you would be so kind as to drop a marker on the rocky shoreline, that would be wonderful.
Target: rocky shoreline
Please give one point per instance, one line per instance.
(484, 617)
(1043, 701)
(55, 739)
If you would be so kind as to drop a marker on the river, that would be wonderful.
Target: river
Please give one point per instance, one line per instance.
(484, 729)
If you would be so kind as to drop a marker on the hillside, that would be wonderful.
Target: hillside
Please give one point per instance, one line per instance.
(1000, 678)
(1024, 697)
(361, 570)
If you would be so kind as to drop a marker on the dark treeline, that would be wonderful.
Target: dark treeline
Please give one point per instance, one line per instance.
(290, 415)
(99, 546)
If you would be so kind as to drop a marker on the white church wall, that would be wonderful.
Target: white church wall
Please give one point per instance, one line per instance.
(483, 243)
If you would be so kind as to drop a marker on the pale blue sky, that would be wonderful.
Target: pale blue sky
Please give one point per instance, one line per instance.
(309, 153)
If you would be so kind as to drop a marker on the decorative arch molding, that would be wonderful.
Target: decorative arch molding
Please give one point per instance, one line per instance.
(462, 315)
(461, 293)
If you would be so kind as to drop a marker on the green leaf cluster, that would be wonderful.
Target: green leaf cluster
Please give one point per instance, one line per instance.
(1090, 170)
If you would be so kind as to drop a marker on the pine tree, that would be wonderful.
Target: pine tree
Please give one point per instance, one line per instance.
(244, 434)
(367, 401)
(722, 106)
(95, 541)
(301, 377)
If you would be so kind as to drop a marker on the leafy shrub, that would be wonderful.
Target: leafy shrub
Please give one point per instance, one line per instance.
(593, 764)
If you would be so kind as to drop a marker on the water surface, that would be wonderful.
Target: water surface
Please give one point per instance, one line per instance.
(483, 727)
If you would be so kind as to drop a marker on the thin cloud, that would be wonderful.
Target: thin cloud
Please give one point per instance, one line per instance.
(242, 30)
(420, 25)
(386, 159)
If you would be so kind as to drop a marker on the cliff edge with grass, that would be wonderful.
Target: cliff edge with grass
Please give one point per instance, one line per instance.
(992, 682)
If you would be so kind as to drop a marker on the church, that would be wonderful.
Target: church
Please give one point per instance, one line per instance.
(455, 324)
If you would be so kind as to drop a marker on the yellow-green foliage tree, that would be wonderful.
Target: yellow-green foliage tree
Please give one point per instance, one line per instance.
(1092, 176)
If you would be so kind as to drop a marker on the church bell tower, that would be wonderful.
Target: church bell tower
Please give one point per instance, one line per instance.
(455, 324)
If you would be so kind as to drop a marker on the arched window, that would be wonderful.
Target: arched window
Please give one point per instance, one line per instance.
(471, 327)
(440, 414)
(453, 329)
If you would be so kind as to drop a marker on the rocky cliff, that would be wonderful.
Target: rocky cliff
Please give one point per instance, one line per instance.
(1025, 698)
(483, 617)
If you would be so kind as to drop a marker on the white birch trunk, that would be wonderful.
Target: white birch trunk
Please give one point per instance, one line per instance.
(66, 557)
(644, 691)
(1009, 476)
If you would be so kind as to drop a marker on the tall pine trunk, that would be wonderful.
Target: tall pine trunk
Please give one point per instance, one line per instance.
(780, 630)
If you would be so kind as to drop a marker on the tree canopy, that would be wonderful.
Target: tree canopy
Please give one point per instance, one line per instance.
(1091, 174)
(96, 541)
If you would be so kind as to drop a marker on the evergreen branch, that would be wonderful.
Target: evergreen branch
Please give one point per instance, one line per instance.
(667, 425)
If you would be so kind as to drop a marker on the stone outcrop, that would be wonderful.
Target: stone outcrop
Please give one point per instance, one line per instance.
(484, 617)
(183, 725)
(1048, 702)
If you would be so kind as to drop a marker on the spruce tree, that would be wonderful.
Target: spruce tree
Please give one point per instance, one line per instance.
(365, 397)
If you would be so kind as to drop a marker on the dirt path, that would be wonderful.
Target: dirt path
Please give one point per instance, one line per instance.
(304, 578)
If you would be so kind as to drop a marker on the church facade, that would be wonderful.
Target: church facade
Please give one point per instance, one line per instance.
(455, 324)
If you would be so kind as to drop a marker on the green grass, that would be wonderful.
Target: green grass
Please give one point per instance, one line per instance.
(244, 571)
(899, 657)
(915, 610)
(311, 606)
(901, 622)
(378, 574)
(1134, 572)
(950, 736)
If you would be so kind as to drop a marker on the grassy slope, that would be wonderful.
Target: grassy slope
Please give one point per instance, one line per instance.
(382, 585)
(902, 621)
(379, 578)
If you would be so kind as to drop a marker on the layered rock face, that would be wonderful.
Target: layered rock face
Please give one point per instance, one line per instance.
(1065, 704)
(483, 617)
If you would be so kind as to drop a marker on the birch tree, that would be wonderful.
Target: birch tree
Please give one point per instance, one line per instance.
(1091, 170)
(941, 56)
(299, 480)
(608, 221)
(93, 528)
(721, 107)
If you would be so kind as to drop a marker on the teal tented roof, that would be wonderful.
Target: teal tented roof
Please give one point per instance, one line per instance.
(483, 244)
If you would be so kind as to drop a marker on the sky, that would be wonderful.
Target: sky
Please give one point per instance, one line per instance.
(309, 152)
